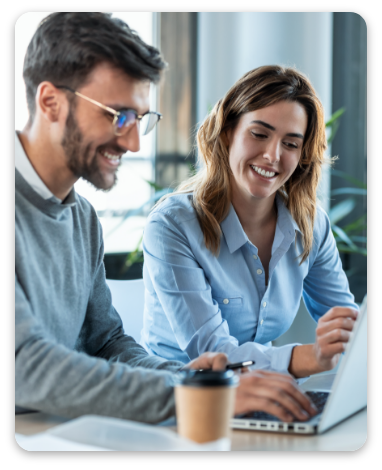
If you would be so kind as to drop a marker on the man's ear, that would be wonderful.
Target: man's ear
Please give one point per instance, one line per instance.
(51, 103)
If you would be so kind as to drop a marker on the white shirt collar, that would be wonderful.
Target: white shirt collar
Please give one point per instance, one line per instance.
(24, 166)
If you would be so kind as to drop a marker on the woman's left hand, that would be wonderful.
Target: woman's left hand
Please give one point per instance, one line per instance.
(332, 334)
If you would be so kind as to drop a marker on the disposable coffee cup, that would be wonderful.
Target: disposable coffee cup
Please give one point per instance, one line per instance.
(205, 402)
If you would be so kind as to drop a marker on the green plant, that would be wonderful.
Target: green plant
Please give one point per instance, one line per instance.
(349, 239)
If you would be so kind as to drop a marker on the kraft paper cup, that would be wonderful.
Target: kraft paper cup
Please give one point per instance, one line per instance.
(205, 402)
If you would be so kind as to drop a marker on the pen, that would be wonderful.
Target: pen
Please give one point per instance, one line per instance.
(239, 365)
(236, 365)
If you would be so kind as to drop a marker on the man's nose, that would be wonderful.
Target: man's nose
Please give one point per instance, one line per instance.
(131, 139)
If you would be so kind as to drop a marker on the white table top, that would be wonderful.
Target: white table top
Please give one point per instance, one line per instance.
(348, 435)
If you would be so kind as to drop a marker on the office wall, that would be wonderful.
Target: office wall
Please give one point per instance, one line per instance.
(230, 44)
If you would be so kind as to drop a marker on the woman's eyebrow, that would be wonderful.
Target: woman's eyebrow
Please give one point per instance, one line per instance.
(268, 126)
(262, 123)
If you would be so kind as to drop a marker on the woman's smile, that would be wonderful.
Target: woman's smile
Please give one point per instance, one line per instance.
(266, 173)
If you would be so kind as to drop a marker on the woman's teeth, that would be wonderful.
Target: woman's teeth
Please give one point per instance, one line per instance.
(267, 174)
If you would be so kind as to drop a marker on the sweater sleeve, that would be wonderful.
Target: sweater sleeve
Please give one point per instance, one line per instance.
(54, 379)
(102, 334)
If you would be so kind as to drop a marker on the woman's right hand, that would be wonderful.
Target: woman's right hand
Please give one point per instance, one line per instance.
(274, 393)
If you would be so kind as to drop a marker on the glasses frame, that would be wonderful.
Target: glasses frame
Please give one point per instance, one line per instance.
(112, 111)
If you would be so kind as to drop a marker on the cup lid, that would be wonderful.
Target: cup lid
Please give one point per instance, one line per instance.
(207, 378)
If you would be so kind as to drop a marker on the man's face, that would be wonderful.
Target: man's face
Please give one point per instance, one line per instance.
(92, 149)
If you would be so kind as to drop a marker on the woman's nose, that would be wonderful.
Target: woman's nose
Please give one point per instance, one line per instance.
(273, 151)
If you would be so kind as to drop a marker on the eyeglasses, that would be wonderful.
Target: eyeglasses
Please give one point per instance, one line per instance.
(122, 120)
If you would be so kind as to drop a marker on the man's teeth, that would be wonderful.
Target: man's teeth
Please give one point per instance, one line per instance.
(110, 156)
(267, 174)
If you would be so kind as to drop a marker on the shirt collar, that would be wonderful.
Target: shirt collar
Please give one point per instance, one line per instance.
(236, 237)
(284, 217)
(234, 234)
(24, 166)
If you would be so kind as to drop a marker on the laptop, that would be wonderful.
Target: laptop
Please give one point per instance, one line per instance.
(348, 394)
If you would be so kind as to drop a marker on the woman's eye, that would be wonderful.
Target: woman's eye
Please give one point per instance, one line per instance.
(260, 136)
(291, 145)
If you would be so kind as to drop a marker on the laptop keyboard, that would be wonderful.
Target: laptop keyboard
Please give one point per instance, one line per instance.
(318, 398)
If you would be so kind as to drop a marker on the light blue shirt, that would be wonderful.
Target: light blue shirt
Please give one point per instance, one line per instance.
(197, 302)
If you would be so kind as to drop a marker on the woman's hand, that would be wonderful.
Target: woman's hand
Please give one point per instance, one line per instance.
(332, 334)
(278, 394)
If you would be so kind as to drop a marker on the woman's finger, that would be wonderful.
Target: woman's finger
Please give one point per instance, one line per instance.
(337, 312)
(336, 336)
(338, 323)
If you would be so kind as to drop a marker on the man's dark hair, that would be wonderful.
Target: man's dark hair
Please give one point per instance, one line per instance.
(67, 46)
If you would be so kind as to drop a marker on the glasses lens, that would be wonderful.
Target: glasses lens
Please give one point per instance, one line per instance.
(125, 119)
(148, 122)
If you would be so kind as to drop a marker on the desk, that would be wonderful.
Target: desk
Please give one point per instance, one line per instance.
(349, 435)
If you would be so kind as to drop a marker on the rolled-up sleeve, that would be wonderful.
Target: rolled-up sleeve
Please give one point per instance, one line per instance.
(184, 293)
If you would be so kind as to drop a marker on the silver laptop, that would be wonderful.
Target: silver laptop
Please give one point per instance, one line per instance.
(348, 394)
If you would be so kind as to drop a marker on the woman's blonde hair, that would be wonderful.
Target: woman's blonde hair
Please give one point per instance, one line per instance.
(211, 188)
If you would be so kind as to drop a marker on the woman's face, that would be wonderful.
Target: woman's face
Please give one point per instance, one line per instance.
(265, 148)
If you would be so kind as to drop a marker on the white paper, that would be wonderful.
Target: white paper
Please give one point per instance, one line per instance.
(46, 442)
(102, 433)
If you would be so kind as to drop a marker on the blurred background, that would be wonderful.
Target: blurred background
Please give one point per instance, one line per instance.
(207, 53)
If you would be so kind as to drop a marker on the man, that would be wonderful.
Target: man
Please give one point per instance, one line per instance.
(88, 77)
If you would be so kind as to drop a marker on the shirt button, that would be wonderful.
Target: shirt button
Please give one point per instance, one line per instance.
(225, 301)
(262, 321)
(259, 271)
(255, 257)
(264, 304)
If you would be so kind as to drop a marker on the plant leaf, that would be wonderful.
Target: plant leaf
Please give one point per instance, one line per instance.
(334, 118)
(341, 210)
(359, 239)
(347, 249)
(153, 185)
(343, 236)
(357, 226)
(349, 178)
(134, 257)
(353, 191)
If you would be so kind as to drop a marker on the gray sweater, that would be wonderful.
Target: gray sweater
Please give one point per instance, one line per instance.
(72, 355)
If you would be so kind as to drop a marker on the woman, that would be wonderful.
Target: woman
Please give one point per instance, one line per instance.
(229, 254)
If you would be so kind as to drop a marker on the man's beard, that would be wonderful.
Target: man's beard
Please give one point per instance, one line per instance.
(78, 156)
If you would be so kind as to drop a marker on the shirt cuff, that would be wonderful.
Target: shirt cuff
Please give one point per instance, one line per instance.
(281, 356)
